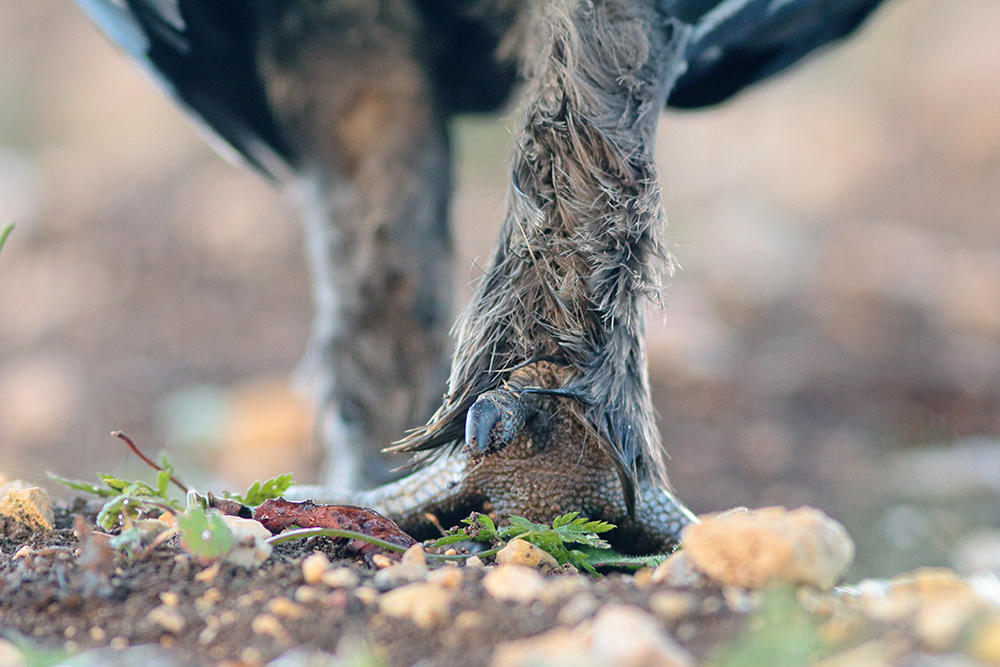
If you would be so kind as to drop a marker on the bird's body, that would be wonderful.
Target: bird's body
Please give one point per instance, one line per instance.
(346, 104)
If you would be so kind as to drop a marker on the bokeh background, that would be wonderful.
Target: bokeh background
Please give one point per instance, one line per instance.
(833, 337)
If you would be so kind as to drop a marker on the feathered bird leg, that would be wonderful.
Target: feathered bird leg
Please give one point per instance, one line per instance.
(356, 103)
(548, 409)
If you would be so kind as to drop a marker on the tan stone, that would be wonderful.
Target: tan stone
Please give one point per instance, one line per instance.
(268, 624)
(753, 549)
(411, 567)
(425, 604)
(250, 545)
(168, 618)
(626, 636)
(522, 552)
(676, 572)
(672, 605)
(514, 582)
(340, 577)
(314, 566)
(29, 506)
(619, 635)
(284, 608)
(580, 606)
(445, 577)
(559, 647)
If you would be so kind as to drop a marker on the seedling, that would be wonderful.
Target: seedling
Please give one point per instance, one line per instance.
(567, 529)
(5, 232)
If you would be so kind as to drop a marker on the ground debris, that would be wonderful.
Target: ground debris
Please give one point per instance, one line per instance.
(279, 514)
(76, 595)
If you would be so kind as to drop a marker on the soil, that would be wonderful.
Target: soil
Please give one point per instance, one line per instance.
(68, 598)
(57, 594)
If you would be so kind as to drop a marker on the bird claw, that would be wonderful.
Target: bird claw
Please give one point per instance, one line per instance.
(493, 421)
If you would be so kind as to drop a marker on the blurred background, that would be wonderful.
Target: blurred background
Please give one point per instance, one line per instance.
(833, 337)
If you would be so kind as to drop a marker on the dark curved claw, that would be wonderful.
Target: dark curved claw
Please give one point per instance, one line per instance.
(493, 421)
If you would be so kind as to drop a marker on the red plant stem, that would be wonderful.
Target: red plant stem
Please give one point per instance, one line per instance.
(152, 464)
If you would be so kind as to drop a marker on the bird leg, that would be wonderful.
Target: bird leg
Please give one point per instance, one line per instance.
(548, 409)
(349, 86)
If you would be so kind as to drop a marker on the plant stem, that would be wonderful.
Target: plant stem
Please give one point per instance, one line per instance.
(145, 459)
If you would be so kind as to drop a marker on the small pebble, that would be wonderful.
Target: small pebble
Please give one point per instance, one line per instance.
(564, 586)
(209, 632)
(619, 635)
(209, 573)
(580, 606)
(366, 594)
(410, 569)
(643, 577)
(626, 636)
(168, 618)
(284, 608)
(672, 605)
(414, 556)
(445, 577)
(381, 561)
(340, 577)
(207, 600)
(426, 605)
(250, 545)
(514, 582)
(676, 572)
(522, 552)
(251, 656)
(314, 567)
(306, 595)
(268, 624)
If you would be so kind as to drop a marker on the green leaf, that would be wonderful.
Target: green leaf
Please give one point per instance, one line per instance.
(85, 487)
(162, 482)
(5, 233)
(566, 529)
(612, 558)
(113, 482)
(204, 534)
(270, 489)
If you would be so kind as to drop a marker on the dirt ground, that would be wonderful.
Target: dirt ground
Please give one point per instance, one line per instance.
(73, 602)
(59, 599)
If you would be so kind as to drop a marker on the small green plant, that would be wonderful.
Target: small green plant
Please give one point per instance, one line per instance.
(127, 500)
(5, 232)
(568, 529)
(261, 491)
(202, 530)
(203, 533)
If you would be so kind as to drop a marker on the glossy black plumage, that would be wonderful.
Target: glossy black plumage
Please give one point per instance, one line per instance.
(203, 51)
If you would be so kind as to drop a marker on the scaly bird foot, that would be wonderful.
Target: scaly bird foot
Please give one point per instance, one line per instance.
(531, 454)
